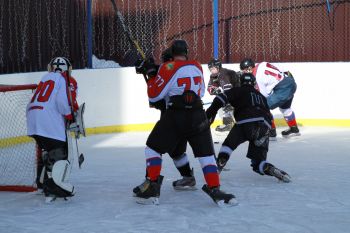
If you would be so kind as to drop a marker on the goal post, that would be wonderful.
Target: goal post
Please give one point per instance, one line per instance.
(18, 152)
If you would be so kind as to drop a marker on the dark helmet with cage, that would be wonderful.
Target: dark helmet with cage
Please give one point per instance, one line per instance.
(247, 79)
(215, 63)
(246, 63)
(179, 48)
(60, 64)
(167, 55)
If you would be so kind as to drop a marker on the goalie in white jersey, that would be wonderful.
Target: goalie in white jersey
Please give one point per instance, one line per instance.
(48, 113)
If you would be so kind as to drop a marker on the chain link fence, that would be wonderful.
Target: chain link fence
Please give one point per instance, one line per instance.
(32, 32)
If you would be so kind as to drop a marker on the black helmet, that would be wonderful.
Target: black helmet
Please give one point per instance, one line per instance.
(215, 63)
(247, 79)
(167, 55)
(179, 47)
(246, 63)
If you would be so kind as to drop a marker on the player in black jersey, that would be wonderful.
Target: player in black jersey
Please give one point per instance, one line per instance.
(253, 121)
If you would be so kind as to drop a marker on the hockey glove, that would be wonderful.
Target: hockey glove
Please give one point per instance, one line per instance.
(146, 67)
(216, 91)
(160, 105)
(211, 114)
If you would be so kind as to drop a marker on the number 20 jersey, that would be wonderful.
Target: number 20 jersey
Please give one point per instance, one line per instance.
(49, 106)
(174, 78)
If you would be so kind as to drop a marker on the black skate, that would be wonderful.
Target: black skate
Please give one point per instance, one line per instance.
(148, 192)
(292, 131)
(221, 161)
(273, 135)
(224, 128)
(186, 183)
(281, 175)
(219, 197)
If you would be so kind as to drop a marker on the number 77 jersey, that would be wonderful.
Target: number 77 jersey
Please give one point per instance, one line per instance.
(174, 78)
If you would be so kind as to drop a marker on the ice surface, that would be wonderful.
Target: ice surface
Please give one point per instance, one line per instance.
(316, 201)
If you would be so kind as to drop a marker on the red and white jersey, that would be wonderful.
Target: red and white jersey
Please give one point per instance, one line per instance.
(50, 105)
(267, 77)
(174, 78)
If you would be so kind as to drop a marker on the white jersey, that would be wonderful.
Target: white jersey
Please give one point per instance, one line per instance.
(47, 110)
(267, 77)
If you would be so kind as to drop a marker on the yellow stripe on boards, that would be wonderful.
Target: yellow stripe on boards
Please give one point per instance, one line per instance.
(7, 142)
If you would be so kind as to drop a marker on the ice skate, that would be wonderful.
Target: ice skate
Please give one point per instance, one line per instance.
(281, 175)
(221, 198)
(223, 128)
(186, 183)
(50, 198)
(291, 132)
(148, 192)
(273, 135)
(221, 162)
(39, 191)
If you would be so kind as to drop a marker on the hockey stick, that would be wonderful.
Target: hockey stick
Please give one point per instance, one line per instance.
(128, 34)
(76, 135)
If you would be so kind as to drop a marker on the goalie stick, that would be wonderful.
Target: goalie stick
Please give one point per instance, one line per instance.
(76, 134)
(128, 34)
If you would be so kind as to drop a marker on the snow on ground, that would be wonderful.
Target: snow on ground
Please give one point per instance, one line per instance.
(316, 201)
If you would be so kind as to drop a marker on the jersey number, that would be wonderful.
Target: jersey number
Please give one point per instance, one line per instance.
(43, 91)
(257, 100)
(273, 71)
(187, 83)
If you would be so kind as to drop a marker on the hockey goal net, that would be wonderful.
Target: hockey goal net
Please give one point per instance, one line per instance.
(18, 152)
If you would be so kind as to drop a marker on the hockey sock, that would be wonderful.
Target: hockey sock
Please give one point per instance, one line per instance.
(183, 165)
(273, 125)
(289, 116)
(210, 171)
(153, 163)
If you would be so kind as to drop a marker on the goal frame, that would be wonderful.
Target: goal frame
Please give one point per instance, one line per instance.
(19, 140)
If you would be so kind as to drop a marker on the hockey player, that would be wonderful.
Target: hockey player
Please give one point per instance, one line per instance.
(181, 84)
(279, 88)
(222, 79)
(253, 121)
(47, 115)
(179, 156)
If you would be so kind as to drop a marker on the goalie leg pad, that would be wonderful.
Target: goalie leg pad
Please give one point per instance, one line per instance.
(56, 184)
(57, 170)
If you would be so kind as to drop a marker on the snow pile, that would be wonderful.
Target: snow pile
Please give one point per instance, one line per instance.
(102, 63)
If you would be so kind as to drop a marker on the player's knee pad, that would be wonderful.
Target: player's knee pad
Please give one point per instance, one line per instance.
(257, 166)
(57, 183)
(53, 156)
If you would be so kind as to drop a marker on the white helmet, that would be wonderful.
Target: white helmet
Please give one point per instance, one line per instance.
(60, 64)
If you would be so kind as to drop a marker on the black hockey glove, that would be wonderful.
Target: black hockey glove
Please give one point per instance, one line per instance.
(160, 105)
(214, 108)
(146, 67)
(211, 114)
(216, 90)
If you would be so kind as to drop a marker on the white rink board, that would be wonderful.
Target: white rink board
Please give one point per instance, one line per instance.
(117, 96)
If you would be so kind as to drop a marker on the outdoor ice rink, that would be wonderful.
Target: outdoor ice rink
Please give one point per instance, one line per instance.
(317, 201)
